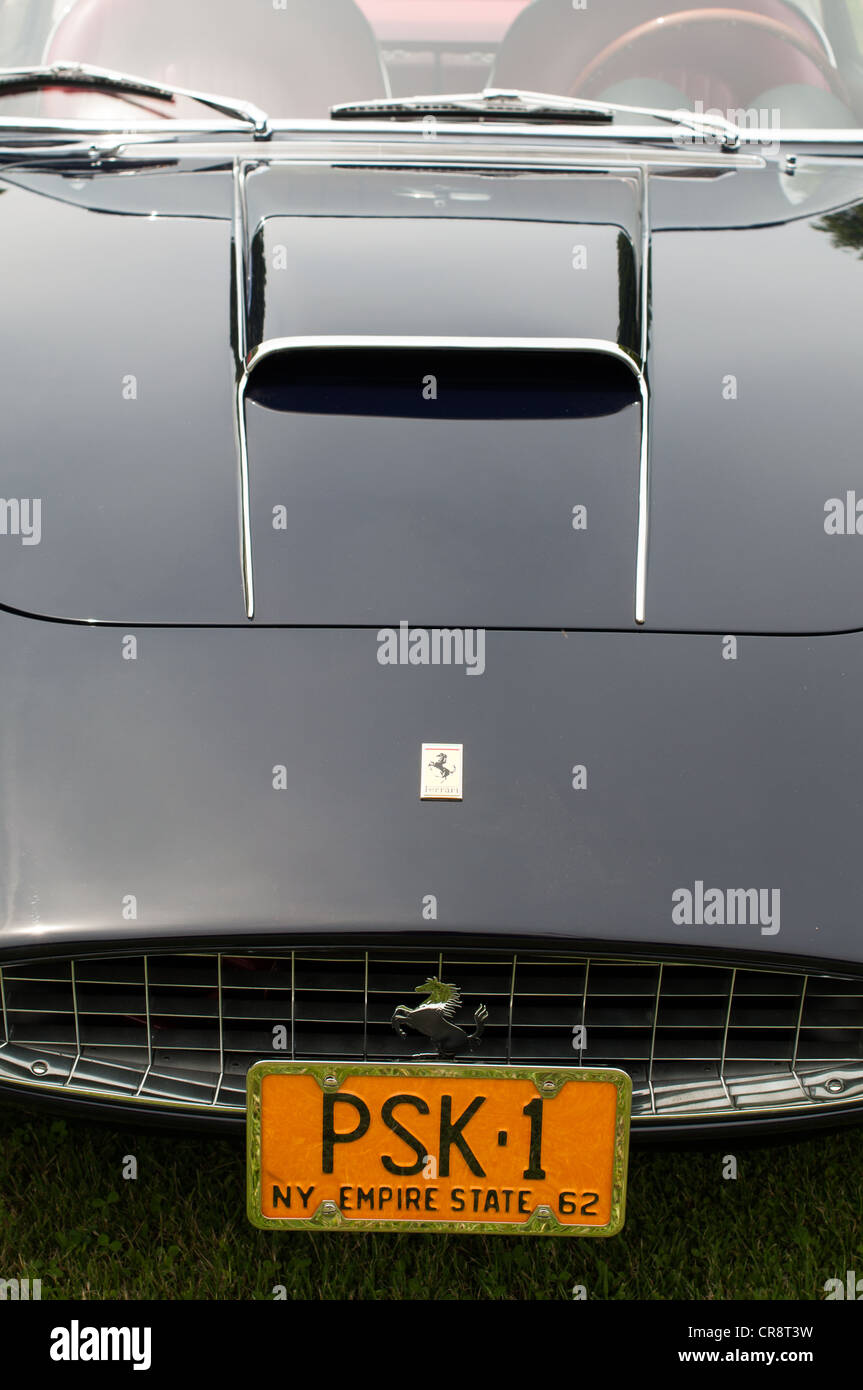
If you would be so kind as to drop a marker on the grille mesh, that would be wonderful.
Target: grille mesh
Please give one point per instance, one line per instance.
(184, 1028)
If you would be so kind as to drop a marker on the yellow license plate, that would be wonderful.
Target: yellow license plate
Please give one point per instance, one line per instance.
(437, 1147)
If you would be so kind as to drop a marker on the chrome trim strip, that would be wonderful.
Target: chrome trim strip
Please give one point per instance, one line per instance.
(3, 1010)
(142, 1083)
(77, 1025)
(239, 246)
(511, 1006)
(293, 1004)
(245, 506)
(371, 340)
(411, 154)
(219, 994)
(239, 234)
(94, 1093)
(644, 460)
(404, 129)
(653, 1040)
(584, 1008)
(797, 1032)
(271, 346)
(365, 1006)
(728, 1096)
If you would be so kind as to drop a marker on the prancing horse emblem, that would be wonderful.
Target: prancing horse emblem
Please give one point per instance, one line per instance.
(439, 765)
(434, 1019)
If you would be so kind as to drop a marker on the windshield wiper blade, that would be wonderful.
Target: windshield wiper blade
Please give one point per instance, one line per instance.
(89, 75)
(504, 103)
(493, 104)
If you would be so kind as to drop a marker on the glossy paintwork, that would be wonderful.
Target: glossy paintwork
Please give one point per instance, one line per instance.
(139, 498)
(457, 277)
(116, 403)
(740, 485)
(154, 777)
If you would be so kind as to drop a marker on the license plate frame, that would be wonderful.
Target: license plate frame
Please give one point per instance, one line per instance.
(547, 1082)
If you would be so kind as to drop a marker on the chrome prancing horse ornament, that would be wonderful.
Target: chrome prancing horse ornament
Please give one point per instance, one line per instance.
(434, 1019)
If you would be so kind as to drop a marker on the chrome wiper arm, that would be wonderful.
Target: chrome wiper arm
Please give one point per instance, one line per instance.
(696, 121)
(508, 103)
(589, 106)
(89, 75)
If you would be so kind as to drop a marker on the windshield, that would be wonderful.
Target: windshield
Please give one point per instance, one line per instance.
(766, 64)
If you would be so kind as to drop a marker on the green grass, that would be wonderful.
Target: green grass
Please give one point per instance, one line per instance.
(790, 1221)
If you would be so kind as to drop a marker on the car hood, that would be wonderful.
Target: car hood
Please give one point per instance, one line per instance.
(261, 778)
(620, 792)
(484, 489)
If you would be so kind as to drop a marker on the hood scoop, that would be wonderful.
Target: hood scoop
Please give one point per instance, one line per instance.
(439, 380)
(443, 403)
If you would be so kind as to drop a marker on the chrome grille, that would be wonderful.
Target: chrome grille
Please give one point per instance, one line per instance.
(183, 1028)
